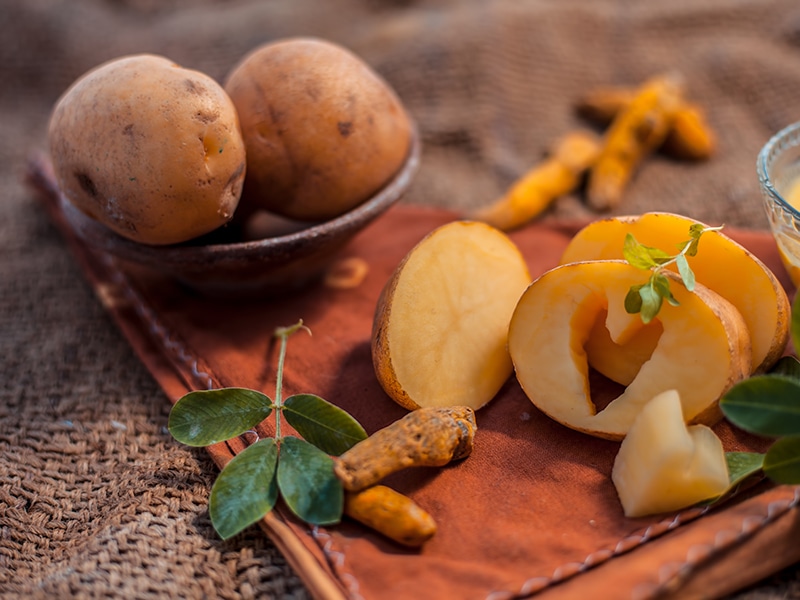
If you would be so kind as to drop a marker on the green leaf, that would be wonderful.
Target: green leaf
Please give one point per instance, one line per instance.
(686, 273)
(767, 405)
(696, 230)
(633, 301)
(206, 417)
(661, 287)
(787, 366)
(651, 303)
(641, 256)
(742, 465)
(323, 424)
(691, 247)
(782, 462)
(245, 490)
(308, 484)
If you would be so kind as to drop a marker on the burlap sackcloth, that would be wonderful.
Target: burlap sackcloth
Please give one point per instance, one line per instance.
(491, 85)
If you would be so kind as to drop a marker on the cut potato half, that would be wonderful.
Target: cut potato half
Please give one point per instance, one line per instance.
(439, 335)
(663, 465)
(704, 347)
(720, 264)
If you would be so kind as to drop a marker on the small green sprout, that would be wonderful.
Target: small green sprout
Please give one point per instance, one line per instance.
(647, 298)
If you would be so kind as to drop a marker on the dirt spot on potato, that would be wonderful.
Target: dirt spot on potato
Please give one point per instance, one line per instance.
(345, 128)
(193, 87)
(86, 183)
(206, 117)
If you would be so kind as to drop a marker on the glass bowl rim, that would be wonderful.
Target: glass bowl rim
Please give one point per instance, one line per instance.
(767, 151)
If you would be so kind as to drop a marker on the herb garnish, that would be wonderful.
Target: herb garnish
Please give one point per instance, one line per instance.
(648, 297)
(298, 470)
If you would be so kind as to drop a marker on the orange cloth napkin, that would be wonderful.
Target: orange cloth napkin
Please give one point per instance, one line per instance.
(532, 511)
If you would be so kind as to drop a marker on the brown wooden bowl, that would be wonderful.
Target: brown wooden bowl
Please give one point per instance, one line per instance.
(264, 256)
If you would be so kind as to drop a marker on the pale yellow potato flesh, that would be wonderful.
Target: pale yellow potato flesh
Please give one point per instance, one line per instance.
(703, 350)
(720, 264)
(439, 335)
(621, 360)
(663, 465)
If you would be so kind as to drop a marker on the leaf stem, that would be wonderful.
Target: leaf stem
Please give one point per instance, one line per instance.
(283, 333)
(279, 384)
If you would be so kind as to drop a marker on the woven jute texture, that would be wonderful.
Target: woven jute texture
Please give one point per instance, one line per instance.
(96, 498)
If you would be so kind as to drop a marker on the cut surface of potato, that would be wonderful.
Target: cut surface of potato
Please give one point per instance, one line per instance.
(720, 264)
(621, 360)
(439, 335)
(704, 347)
(663, 465)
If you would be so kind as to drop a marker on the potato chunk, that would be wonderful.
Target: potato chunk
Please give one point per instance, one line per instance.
(704, 347)
(439, 335)
(721, 264)
(663, 465)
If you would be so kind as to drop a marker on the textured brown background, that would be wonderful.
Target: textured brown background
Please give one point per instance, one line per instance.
(96, 499)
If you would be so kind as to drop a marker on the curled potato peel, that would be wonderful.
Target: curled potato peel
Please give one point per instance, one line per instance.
(704, 347)
(720, 264)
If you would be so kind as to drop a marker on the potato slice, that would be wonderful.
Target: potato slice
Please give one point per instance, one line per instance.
(721, 264)
(663, 465)
(703, 350)
(439, 335)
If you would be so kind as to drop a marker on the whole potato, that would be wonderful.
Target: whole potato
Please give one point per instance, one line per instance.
(150, 149)
(323, 131)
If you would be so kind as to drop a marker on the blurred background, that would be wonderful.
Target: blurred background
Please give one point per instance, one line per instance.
(95, 497)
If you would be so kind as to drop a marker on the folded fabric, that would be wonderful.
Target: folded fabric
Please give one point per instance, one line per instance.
(532, 511)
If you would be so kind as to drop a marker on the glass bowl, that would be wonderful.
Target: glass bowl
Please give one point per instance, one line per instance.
(778, 168)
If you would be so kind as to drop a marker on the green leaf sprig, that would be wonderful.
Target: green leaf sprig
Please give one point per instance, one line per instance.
(769, 405)
(647, 298)
(298, 470)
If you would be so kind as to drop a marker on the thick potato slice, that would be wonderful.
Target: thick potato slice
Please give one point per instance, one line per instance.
(703, 350)
(663, 465)
(439, 335)
(720, 264)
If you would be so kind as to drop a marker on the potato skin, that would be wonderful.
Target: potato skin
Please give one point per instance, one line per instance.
(323, 131)
(150, 149)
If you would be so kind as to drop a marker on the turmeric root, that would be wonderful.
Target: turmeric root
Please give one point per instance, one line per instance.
(347, 273)
(529, 196)
(426, 437)
(690, 136)
(635, 132)
(390, 513)
(602, 104)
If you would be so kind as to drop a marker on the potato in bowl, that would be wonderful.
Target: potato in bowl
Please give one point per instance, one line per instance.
(149, 149)
(323, 131)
